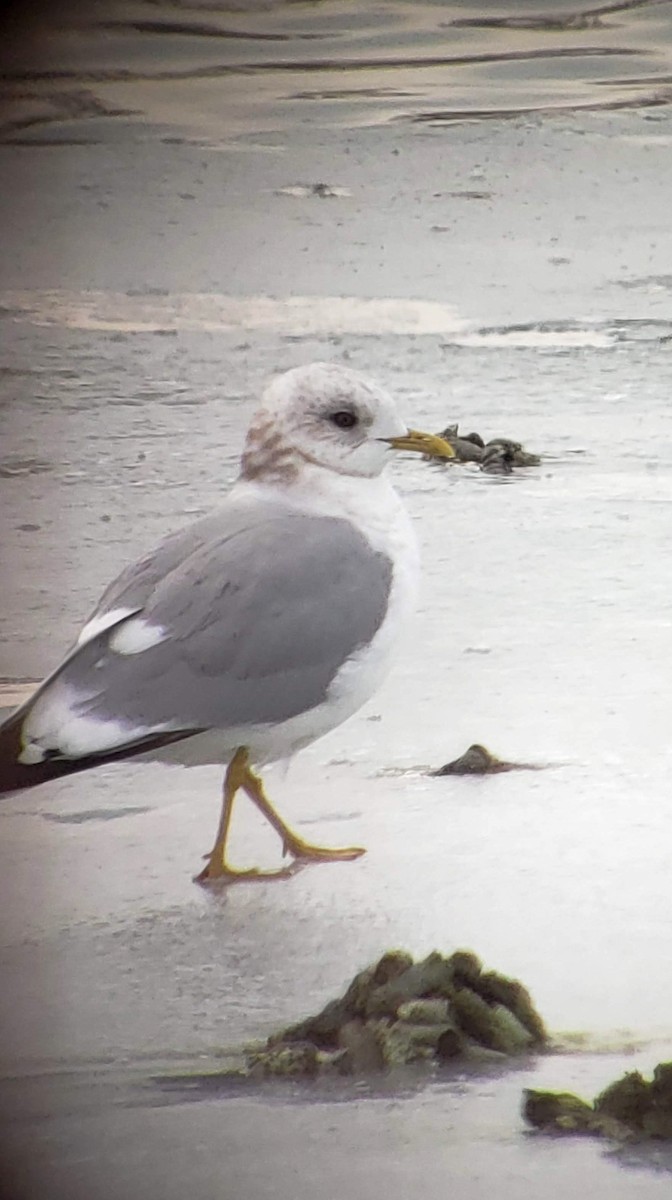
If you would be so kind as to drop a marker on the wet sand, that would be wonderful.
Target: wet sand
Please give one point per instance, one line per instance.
(515, 275)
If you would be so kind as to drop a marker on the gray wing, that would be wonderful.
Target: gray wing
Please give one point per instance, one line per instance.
(259, 608)
(132, 588)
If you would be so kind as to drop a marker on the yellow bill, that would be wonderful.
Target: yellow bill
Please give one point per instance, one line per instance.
(422, 443)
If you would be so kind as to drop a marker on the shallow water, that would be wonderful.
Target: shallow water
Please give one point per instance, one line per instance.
(211, 73)
(514, 275)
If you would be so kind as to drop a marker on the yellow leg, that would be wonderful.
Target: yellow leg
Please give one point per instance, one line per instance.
(291, 841)
(217, 866)
(240, 775)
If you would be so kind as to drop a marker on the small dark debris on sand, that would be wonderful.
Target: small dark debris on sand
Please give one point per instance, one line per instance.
(498, 456)
(631, 1109)
(398, 1011)
(479, 761)
(323, 191)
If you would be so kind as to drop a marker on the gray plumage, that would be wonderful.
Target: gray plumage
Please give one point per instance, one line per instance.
(261, 605)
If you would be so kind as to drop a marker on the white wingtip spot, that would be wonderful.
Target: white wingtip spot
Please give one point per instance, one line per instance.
(136, 635)
(101, 622)
(31, 755)
(56, 725)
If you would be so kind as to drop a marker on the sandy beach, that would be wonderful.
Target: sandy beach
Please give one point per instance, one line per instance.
(476, 214)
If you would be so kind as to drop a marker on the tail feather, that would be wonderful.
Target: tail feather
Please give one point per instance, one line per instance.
(15, 775)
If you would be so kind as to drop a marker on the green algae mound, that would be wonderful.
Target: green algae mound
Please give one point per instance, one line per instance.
(630, 1109)
(397, 1011)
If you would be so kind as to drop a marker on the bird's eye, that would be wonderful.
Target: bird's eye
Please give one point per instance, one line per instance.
(344, 419)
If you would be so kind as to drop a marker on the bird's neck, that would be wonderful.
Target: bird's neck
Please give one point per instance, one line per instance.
(371, 502)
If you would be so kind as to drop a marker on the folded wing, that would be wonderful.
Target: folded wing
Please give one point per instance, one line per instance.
(244, 618)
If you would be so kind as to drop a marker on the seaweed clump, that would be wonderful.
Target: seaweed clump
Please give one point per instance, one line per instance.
(478, 760)
(630, 1109)
(398, 1011)
(499, 455)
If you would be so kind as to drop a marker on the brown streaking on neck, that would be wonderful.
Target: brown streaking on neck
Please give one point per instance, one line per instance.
(266, 456)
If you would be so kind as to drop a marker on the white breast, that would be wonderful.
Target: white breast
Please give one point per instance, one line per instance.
(384, 521)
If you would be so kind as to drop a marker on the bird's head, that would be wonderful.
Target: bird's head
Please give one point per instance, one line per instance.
(333, 417)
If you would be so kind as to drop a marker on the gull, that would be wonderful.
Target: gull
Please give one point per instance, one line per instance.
(255, 630)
